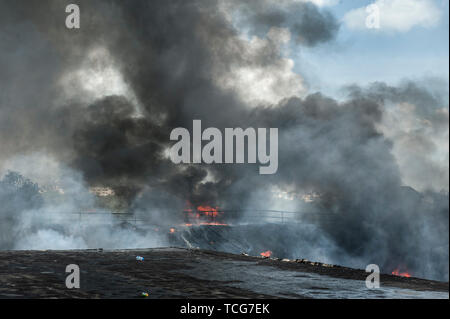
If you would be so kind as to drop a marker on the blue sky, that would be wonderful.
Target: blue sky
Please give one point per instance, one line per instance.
(364, 55)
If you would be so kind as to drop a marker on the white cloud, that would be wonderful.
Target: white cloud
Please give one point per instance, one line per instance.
(319, 3)
(322, 3)
(396, 15)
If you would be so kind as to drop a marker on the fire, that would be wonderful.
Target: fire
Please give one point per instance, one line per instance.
(203, 215)
(266, 254)
(397, 272)
(208, 210)
(205, 223)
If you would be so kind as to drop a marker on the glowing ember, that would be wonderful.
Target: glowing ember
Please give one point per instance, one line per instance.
(266, 254)
(397, 272)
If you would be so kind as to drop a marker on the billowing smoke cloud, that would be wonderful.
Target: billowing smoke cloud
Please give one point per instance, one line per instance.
(310, 25)
(103, 99)
(415, 118)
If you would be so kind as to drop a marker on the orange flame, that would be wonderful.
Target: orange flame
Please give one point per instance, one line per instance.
(266, 254)
(206, 223)
(203, 215)
(397, 272)
(208, 210)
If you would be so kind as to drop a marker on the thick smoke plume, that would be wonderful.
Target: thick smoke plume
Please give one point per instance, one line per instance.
(101, 102)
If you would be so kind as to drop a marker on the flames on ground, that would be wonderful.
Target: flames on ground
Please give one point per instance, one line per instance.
(266, 253)
(398, 272)
(203, 215)
(206, 216)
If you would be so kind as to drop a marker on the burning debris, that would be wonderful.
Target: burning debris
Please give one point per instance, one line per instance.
(397, 272)
(266, 254)
(203, 215)
(105, 111)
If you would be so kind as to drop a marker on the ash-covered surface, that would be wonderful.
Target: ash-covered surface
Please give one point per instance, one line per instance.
(184, 273)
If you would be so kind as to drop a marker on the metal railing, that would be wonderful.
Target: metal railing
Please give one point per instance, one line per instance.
(247, 215)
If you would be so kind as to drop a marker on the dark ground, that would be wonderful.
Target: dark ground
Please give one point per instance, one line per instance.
(183, 273)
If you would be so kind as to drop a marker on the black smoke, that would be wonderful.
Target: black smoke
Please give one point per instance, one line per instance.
(170, 54)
